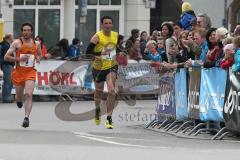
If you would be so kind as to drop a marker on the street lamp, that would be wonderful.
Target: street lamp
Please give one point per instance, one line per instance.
(82, 14)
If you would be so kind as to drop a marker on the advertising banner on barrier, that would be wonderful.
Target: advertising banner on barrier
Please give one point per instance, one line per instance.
(55, 77)
(232, 104)
(194, 92)
(212, 93)
(166, 100)
(137, 78)
(181, 95)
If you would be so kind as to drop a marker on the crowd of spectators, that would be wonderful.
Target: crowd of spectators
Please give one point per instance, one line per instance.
(191, 41)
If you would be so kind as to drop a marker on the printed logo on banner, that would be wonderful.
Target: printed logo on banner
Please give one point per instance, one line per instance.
(194, 92)
(212, 93)
(232, 104)
(53, 79)
(166, 102)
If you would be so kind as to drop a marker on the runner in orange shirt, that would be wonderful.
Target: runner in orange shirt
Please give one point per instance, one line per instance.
(24, 52)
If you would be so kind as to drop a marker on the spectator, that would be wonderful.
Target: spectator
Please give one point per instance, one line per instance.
(161, 46)
(185, 51)
(215, 49)
(237, 30)
(60, 50)
(120, 39)
(190, 35)
(236, 44)
(167, 33)
(43, 46)
(133, 38)
(134, 51)
(200, 50)
(154, 35)
(222, 34)
(228, 60)
(143, 42)
(178, 28)
(7, 68)
(204, 21)
(74, 50)
(152, 52)
(228, 40)
(187, 15)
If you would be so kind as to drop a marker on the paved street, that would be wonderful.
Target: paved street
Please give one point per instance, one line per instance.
(48, 137)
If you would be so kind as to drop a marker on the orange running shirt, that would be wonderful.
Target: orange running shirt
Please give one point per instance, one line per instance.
(24, 71)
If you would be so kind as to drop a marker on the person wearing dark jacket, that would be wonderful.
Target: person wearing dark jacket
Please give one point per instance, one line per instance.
(7, 70)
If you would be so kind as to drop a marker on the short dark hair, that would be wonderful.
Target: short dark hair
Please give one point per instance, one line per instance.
(27, 24)
(134, 31)
(106, 17)
(75, 41)
(178, 23)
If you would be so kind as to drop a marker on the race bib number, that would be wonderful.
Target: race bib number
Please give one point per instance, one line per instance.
(110, 56)
(30, 62)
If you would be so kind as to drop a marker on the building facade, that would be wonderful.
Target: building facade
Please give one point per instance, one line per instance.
(56, 19)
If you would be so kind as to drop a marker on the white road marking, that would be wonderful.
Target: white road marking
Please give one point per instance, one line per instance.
(107, 137)
(95, 138)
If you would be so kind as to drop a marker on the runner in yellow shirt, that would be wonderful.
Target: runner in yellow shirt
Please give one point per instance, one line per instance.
(103, 46)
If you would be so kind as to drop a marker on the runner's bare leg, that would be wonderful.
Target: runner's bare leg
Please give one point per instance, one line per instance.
(19, 93)
(98, 93)
(29, 88)
(111, 79)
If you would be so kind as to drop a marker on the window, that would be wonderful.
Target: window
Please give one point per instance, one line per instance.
(30, 2)
(89, 27)
(92, 2)
(18, 2)
(42, 2)
(55, 2)
(115, 2)
(104, 2)
(49, 26)
(21, 16)
(115, 17)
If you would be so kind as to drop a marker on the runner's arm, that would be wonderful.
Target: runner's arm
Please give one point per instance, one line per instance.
(9, 56)
(93, 42)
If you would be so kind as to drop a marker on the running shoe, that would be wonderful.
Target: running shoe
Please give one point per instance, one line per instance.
(19, 104)
(25, 123)
(109, 123)
(97, 118)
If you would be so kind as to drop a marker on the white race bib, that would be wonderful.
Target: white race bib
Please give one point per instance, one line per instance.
(110, 56)
(30, 62)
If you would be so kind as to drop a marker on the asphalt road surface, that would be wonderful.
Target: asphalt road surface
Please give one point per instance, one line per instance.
(52, 138)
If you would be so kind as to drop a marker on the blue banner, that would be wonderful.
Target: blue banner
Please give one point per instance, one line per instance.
(181, 95)
(166, 100)
(212, 93)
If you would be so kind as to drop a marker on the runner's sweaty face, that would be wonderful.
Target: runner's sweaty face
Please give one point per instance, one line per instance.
(107, 25)
(27, 32)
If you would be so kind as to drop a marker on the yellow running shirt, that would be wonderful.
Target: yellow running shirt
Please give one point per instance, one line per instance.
(108, 43)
